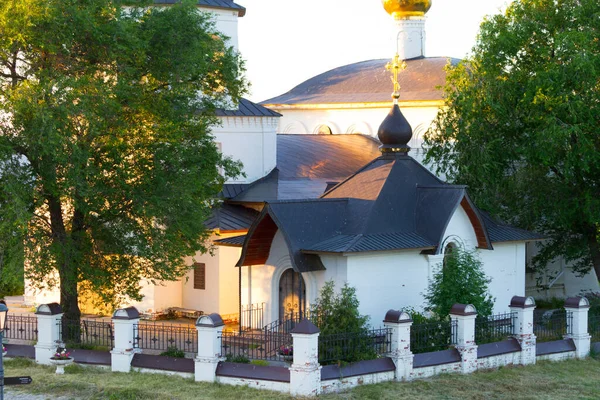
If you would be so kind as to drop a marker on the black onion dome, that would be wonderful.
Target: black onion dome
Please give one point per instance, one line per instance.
(394, 132)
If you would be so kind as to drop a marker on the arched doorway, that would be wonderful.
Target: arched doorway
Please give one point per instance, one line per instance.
(292, 295)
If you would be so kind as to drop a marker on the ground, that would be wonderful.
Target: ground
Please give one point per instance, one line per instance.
(574, 379)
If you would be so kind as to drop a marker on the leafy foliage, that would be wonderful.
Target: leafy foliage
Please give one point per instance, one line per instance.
(344, 331)
(108, 165)
(173, 351)
(459, 280)
(520, 127)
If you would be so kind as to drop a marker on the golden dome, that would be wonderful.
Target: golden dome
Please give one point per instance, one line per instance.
(406, 8)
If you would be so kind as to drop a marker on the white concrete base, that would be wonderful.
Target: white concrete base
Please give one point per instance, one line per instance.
(120, 360)
(583, 344)
(205, 369)
(187, 375)
(558, 356)
(282, 387)
(468, 355)
(426, 372)
(43, 353)
(494, 362)
(305, 381)
(404, 367)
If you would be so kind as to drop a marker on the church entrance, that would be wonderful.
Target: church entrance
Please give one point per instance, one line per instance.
(292, 295)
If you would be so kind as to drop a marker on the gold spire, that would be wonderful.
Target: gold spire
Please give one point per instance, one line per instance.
(406, 8)
(396, 65)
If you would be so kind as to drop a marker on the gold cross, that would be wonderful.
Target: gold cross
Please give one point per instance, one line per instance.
(396, 65)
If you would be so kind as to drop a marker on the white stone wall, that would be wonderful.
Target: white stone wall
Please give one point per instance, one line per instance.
(426, 372)
(505, 265)
(557, 356)
(226, 22)
(283, 387)
(251, 140)
(337, 385)
(499, 361)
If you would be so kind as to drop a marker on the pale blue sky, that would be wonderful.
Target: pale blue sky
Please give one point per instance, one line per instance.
(285, 42)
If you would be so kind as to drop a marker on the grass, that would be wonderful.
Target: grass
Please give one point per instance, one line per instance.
(574, 379)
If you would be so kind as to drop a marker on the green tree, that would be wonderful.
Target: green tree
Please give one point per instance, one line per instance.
(106, 116)
(459, 280)
(521, 124)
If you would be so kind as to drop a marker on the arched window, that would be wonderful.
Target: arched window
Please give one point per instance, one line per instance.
(448, 251)
(324, 130)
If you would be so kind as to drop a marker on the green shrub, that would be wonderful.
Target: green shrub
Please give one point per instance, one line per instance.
(338, 314)
(173, 351)
(459, 280)
(242, 359)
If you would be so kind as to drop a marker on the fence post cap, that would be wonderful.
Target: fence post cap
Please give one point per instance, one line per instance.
(522, 302)
(48, 309)
(211, 321)
(126, 313)
(397, 316)
(463, 309)
(577, 302)
(305, 327)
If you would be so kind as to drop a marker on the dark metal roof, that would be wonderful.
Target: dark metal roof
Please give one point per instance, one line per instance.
(218, 4)
(235, 241)
(392, 203)
(504, 233)
(369, 82)
(230, 217)
(305, 165)
(230, 190)
(246, 108)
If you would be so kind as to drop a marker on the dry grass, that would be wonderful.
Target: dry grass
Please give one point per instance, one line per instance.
(547, 380)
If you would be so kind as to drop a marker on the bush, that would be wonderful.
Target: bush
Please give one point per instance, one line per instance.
(459, 280)
(260, 363)
(344, 332)
(173, 351)
(237, 359)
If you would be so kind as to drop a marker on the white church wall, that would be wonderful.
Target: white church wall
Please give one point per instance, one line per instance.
(228, 280)
(505, 265)
(460, 230)
(206, 299)
(388, 280)
(251, 140)
(33, 296)
(168, 294)
(226, 22)
(336, 270)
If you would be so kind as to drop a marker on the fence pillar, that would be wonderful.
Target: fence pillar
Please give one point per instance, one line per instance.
(464, 316)
(577, 322)
(124, 320)
(49, 317)
(400, 322)
(305, 372)
(522, 308)
(209, 329)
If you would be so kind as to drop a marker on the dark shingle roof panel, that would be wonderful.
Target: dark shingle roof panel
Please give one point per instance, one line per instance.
(369, 82)
(219, 4)
(234, 241)
(374, 242)
(503, 233)
(246, 108)
(229, 217)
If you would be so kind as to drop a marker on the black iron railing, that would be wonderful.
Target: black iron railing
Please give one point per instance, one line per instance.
(258, 345)
(86, 333)
(432, 336)
(351, 347)
(594, 327)
(551, 325)
(163, 337)
(21, 327)
(494, 328)
(251, 317)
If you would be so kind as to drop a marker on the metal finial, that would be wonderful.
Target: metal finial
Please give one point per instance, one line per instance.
(396, 65)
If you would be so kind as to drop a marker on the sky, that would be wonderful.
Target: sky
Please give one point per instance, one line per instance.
(285, 42)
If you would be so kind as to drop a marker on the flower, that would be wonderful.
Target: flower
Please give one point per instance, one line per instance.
(61, 354)
(286, 351)
(3, 349)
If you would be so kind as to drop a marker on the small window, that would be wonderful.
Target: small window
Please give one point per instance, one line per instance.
(451, 248)
(200, 276)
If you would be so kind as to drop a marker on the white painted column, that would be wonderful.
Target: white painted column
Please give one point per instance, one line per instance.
(577, 308)
(305, 372)
(463, 315)
(210, 328)
(121, 355)
(400, 322)
(411, 37)
(49, 317)
(523, 327)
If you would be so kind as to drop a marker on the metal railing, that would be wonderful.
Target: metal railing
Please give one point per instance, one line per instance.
(251, 317)
(594, 327)
(260, 345)
(433, 336)
(494, 328)
(86, 333)
(351, 347)
(163, 337)
(21, 327)
(551, 325)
